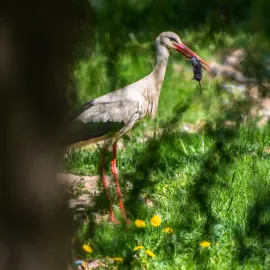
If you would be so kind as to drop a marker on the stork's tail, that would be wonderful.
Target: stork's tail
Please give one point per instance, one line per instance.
(79, 132)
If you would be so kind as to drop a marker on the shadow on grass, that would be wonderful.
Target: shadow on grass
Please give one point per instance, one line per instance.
(218, 158)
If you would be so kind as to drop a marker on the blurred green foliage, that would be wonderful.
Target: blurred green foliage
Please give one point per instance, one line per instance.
(106, 31)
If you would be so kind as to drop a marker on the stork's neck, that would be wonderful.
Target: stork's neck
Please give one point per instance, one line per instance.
(161, 64)
(152, 93)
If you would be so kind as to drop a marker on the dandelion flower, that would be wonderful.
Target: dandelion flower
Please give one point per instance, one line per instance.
(118, 259)
(138, 247)
(140, 223)
(168, 230)
(87, 249)
(205, 244)
(150, 253)
(156, 220)
(84, 264)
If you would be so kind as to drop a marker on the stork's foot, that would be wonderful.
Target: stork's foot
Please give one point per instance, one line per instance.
(114, 220)
(117, 186)
(112, 217)
(128, 221)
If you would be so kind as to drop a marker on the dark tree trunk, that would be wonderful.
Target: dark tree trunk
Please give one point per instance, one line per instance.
(36, 47)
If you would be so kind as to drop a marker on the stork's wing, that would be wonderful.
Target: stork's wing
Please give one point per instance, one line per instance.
(98, 118)
(79, 132)
(118, 111)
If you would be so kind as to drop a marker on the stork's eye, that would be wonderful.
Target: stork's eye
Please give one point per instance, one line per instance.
(173, 39)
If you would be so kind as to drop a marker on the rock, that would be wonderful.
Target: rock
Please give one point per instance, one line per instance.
(234, 89)
(235, 58)
(82, 191)
(228, 72)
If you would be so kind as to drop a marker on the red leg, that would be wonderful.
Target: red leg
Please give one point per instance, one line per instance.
(105, 184)
(117, 186)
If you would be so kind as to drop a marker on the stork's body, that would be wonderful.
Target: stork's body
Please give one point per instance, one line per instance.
(114, 114)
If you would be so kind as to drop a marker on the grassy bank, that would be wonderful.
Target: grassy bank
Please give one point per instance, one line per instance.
(211, 188)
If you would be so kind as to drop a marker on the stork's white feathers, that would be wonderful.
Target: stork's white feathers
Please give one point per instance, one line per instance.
(118, 111)
(130, 104)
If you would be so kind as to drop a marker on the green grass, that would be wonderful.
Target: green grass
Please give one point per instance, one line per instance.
(218, 194)
(209, 186)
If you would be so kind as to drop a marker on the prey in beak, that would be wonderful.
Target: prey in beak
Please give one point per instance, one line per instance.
(197, 69)
(188, 53)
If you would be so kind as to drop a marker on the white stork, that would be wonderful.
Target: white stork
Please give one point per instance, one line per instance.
(114, 114)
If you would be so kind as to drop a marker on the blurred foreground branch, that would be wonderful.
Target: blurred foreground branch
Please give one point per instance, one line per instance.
(35, 51)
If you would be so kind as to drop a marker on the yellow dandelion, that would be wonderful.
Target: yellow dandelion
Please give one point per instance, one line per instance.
(168, 230)
(118, 259)
(156, 220)
(205, 244)
(140, 223)
(138, 247)
(150, 253)
(87, 249)
(84, 264)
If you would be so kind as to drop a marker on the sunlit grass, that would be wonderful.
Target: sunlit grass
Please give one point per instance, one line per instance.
(210, 189)
(221, 216)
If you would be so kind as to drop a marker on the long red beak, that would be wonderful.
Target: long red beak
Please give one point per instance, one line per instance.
(182, 48)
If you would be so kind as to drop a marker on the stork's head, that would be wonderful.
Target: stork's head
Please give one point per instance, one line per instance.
(170, 40)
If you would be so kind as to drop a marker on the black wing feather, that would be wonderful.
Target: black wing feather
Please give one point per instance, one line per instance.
(96, 118)
(83, 108)
(79, 131)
